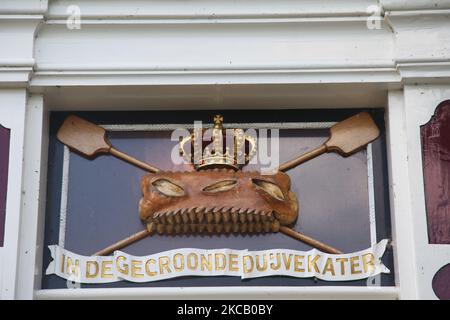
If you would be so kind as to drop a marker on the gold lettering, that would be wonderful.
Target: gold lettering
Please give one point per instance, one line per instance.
(73, 268)
(329, 267)
(106, 268)
(164, 262)
(278, 265)
(147, 268)
(89, 274)
(287, 262)
(354, 263)
(206, 264)
(224, 261)
(313, 263)
(298, 263)
(244, 262)
(368, 262)
(178, 266)
(192, 266)
(124, 269)
(264, 266)
(63, 262)
(234, 262)
(136, 266)
(342, 261)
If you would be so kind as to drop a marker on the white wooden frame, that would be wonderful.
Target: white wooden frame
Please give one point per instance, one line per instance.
(32, 247)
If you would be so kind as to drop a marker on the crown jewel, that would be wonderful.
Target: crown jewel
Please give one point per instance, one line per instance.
(218, 147)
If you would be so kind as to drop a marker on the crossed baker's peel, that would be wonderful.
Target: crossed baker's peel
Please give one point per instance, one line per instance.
(218, 200)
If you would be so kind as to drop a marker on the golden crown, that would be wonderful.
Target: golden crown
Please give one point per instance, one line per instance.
(230, 148)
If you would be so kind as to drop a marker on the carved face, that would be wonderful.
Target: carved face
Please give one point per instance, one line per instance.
(217, 201)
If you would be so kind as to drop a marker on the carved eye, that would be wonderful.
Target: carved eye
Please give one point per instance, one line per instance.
(168, 188)
(272, 189)
(220, 186)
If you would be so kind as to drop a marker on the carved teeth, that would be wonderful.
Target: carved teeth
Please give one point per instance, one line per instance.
(217, 217)
(160, 228)
(201, 216)
(151, 227)
(192, 216)
(162, 219)
(242, 217)
(198, 210)
(217, 220)
(226, 217)
(275, 226)
(209, 217)
(219, 228)
(177, 218)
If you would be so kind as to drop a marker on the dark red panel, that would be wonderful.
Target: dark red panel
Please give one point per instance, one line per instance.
(4, 157)
(435, 137)
(441, 283)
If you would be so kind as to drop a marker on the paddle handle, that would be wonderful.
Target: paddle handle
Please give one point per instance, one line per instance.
(308, 240)
(303, 158)
(123, 243)
(134, 161)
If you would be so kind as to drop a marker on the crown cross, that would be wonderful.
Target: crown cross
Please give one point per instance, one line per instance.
(215, 155)
(218, 119)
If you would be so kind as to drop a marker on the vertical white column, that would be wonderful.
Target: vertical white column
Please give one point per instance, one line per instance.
(33, 199)
(400, 197)
(12, 116)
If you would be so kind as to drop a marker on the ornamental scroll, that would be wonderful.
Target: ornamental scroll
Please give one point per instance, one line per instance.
(218, 262)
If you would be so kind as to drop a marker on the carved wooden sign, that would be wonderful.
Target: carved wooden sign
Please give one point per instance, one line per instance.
(218, 197)
(4, 159)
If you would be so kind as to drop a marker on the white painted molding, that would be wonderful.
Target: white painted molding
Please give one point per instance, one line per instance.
(227, 293)
(210, 77)
(404, 5)
(23, 6)
(201, 9)
(19, 21)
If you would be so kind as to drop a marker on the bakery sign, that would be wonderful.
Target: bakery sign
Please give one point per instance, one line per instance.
(217, 197)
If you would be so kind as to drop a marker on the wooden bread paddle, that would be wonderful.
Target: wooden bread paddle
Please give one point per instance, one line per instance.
(90, 140)
(346, 138)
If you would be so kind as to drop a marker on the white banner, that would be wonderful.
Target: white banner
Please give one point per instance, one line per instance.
(217, 262)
